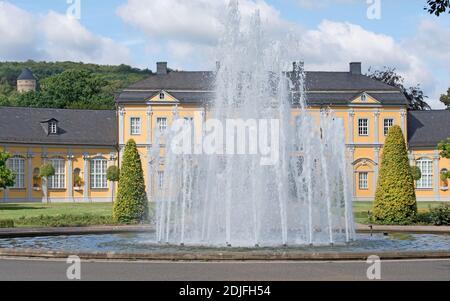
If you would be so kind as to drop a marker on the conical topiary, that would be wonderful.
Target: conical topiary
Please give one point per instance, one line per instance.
(131, 205)
(395, 198)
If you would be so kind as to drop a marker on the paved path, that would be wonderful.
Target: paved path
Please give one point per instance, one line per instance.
(12, 269)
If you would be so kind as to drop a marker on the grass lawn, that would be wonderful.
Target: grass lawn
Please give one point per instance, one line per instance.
(360, 209)
(39, 215)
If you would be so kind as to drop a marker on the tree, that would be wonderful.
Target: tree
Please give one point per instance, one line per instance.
(444, 148)
(6, 175)
(445, 99)
(414, 95)
(438, 7)
(113, 175)
(46, 170)
(131, 205)
(395, 198)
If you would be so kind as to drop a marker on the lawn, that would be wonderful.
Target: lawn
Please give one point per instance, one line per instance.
(40, 215)
(360, 209)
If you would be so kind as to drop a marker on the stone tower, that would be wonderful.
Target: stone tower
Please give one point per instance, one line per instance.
(26, 81)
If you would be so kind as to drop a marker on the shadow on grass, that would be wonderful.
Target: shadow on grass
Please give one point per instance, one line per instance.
(19, 207)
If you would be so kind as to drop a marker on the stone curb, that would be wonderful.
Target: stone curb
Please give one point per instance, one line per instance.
(226, 256)
(409, 229)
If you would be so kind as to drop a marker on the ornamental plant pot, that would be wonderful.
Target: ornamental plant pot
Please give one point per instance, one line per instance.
(78, 188)
(37, 188)
(444, 188)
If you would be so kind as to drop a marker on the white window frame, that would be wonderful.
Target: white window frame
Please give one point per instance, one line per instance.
(17, 166)
(135, 125)
(363, 130)
(98, 167)
(363, 178)
(162, 95)
(387, 124)
(426, 167)
(58, 181)
(162, 126)
(53, 127)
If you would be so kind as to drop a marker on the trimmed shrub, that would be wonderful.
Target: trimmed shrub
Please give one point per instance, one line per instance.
(131, 205)
(395, 198)
(46, 170)
(440, 215)
(416, 173)
(6, 223)
(113, 174)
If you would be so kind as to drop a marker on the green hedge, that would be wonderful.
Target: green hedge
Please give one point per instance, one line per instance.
(395, 198)
(7, 223)
(64, 220)
(131, 205)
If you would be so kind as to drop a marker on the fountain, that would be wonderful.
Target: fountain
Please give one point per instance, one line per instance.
(302, 196)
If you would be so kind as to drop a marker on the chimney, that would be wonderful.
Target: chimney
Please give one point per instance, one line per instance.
(161, 68)
(355, 68)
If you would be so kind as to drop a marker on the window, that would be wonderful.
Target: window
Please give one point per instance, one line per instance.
(388, 123)
(17, 166)
(426, 167)
(363, 180)
(160, 180)
(52, 127)
(363, 127)
(98, 174)
(162, 95)
(135, 125)
(58, 180)
(162, 123)
(364, 97)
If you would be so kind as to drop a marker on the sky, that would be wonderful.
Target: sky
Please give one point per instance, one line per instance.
(331, 33)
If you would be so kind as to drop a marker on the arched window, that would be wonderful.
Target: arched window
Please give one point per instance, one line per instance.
(98, 173)
(17, 166)
(426, 167)
(58, 181)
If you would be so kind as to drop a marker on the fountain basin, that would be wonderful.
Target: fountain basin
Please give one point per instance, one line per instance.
(143, 246)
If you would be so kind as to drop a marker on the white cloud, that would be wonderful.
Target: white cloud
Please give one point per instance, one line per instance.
(53, 37)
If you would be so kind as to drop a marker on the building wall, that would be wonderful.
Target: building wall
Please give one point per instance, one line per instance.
(74, 157)
(26, 86)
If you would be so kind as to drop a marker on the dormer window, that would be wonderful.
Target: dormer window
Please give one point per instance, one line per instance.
(162, 95)
(52, 128)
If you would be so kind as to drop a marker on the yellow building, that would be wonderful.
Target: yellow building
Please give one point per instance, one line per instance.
(80, 144)
(87, 141)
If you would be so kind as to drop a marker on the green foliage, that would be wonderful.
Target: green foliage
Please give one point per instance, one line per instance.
(46, 170)
(67, 85)
(440, 216)
(131, 205)
(395, 198)
(77, 181)
(64, 220)
(445, 99)
(414, 95)
(416, 173)
(6, 176)
(438, 7)
(444, 147)
(113, 174)
(7, 223)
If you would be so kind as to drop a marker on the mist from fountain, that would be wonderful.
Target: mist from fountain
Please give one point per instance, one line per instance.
(304, 197)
